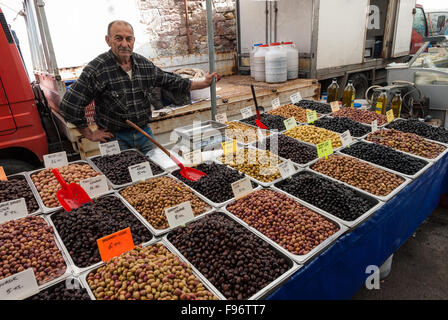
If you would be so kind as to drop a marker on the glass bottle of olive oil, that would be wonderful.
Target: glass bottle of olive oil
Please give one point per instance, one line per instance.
(333, 91)
(396, 105)
(381, 103)
(348, 97)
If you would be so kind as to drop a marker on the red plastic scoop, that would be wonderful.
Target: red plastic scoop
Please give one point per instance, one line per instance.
(258, 120)
(188, 173)
(72, 195)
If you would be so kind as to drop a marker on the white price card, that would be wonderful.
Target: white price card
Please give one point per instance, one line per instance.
(109, 148)
(56, 160)
(141, 171)
(180, 214)
(335, 106)
(290, 123)
(346, 138)
(242, 188)
(13, 210)
(95, 186)
(275, 103)
(19, 286)
(221, 118)
(375, 125)
(247, 112)
(296, 97)
(194, 157)
(286, 169)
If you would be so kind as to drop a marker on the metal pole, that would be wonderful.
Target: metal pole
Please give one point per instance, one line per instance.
(211, 56)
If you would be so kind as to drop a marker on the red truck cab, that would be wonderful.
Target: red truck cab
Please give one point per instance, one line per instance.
(23, 141)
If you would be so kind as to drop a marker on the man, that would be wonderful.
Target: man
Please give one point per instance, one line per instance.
(120, 82)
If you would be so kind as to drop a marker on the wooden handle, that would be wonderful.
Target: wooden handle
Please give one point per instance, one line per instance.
(148, 136)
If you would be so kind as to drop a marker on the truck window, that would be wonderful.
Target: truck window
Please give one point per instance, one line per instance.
(420, 22)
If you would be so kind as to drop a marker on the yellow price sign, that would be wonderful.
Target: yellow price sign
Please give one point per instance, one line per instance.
(390, 116)
(324, 149)
(290, 123)
(230, 147)
(311, 116)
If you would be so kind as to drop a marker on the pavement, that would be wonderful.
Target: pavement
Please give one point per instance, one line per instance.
(419, 266)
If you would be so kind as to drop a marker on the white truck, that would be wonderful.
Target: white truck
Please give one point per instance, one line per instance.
(346, 39)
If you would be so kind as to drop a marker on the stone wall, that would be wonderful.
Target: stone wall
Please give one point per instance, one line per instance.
(166, 26)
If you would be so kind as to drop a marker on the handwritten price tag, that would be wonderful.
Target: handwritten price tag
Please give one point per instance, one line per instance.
(286, 169)
(241, 188)
(194, 157)
(3, 174)
(109, 148)
(140, 171)
(346, 138)
(95, 186)
(115, 244)
(390, 116)
(374, 126)
(296, 98)
(13, 210)
(19, 286)
(324, 149)
(335, 106)
(230, 147)
(56, 160)
(180, 214)
(290, 123)
(311, 116)
(275, 103)
(221, 118)
(247, 112)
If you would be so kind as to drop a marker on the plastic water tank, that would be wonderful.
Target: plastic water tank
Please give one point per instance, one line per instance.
(276, 64)
(252, 53)
(293, 60)
(259, 63)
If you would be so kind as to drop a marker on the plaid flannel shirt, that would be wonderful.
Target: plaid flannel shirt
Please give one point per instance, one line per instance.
(117, 98)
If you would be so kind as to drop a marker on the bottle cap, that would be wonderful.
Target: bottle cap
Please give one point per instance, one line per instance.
(264, 46)
(357, 105)
(287, 42)
(275, 44)
(257, 44)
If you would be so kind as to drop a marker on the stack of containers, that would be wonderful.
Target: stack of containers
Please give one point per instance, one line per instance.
(259, 63)
(252, 62)
(292, 60)
(276, 64)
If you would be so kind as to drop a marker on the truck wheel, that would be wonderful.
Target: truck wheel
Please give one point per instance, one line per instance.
(361, 84)
(13, 166)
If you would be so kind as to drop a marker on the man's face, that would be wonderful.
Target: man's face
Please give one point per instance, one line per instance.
(121, 40)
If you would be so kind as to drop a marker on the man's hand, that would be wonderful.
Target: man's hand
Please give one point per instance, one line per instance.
(195, 85)
(99, 135)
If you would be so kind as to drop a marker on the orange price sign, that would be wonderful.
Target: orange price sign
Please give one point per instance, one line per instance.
(115, 244)
(3, 174)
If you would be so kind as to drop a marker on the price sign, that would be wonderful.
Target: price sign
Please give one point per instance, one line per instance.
(180, 214)
(374, 126)
(115, 244)
(13, 210)
(19, 286)
(311, 116)
(56, 160)
(247, 112)
(241, 188)
(390, 116)
(221, 118)
(286, 169)
(140, 171)
(95, 186)
(275, 103)
(346, 138)
(296, 97)
(3, 174)
(230, 147)
(324, 149)
(290, 123)
(335, 106)
(194, 157)
(109, 148)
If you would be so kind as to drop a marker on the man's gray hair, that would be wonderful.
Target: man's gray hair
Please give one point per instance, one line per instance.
(118, 21)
